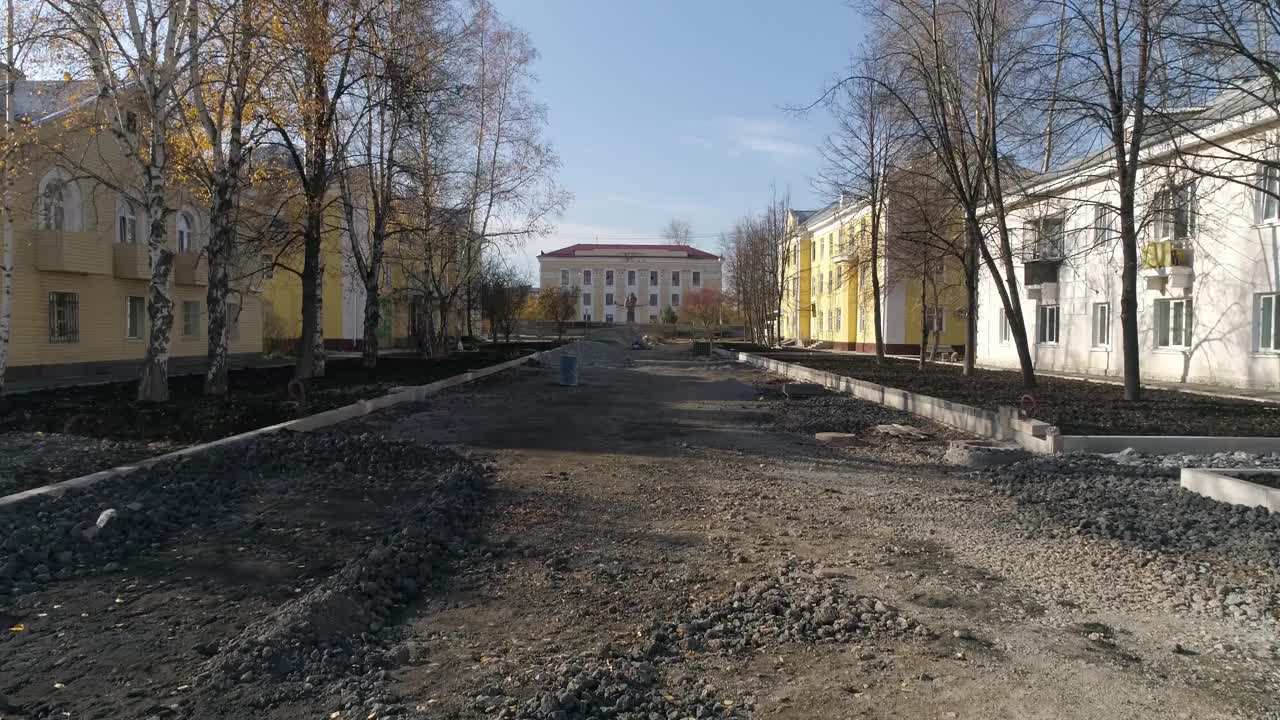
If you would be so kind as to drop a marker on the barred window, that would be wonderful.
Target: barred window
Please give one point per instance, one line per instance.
(64, 317)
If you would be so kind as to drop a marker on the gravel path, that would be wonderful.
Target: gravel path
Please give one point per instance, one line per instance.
(32, 459)
(665, 540)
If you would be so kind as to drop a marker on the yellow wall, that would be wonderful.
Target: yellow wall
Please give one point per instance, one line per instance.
(797, 273)
(82, 262)
(282, 294)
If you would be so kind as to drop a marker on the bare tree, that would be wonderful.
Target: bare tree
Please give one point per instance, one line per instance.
(502, 297)
(678, 232)
(558, 305)
(136, 53)
(226, 77)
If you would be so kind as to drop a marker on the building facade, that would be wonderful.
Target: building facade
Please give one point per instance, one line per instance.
(629, 283)
(828, 292)
(82, 270)
(1207, 305)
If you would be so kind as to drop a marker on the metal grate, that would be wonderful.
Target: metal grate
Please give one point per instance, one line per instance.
(64, 317)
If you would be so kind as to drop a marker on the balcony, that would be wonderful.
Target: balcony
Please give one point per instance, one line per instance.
(190, 268)
(1040, 276)
(1168, 264)
(130, 261)
(72, 252)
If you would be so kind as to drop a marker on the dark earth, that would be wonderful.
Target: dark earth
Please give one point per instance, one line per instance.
(1077, 407)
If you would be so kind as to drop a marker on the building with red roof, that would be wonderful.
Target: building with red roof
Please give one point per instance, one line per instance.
(629, 283)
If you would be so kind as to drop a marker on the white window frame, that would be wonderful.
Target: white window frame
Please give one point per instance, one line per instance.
(1100, 325)
(1048, 317)
(653, 278)
(185, 225)
(126, 223)
(564, 278)
(130, 331)
(609, 278)
(608, 298)
(608, 318)
(190, 326)
(1268, 193)
(233, 322)
(1266, 334)
(53, 204)
(1055, 246)
(675, 299)
(1164, 335)
(586, 300)
(696, 281)
(935, 320)
(1104, 224)
(1006, 331)
(838, 314)
(586, 278)
(653, 299)
(675, 278)
(631, 278)
(1175, 200)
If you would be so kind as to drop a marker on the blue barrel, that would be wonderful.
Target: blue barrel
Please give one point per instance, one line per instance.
(568, 370)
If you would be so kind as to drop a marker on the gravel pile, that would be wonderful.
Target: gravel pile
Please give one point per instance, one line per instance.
(92, 529)
(336, 626)
(643, 682)
(834, 413)
(1137, 501)
(32, 459)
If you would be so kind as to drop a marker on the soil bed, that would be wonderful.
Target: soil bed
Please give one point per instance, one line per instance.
(1077, 407)
(130, 430)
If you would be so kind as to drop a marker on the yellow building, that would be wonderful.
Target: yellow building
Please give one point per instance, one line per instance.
(828, 294)
(81, 270)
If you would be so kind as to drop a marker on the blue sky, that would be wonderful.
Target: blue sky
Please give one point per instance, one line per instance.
(675, 108)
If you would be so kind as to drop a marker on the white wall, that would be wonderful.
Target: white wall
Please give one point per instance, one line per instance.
(1235, 258)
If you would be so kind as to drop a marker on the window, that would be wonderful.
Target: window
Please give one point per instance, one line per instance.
(1269, 193)
(697, 279)
(838, 314)
(653, 299)
(675, 279)
(1104, 224)
(813, 250)
(653, 278)
(608, 278)
(1268, 315)
(131, 122)
(64, 317)
(631, 278)
(1102, 325)
(191, 319)
(608, 318)
(564, 278)
(269, 269)
(830, 285)
(586, 300)
(839, 280)
(233, 321)
(1173, 323)
(1046, 238)
(1047, 324)
(1175, 213)
(53, 210)
(608, 298)
(126, 223)
(586, 316)
(675, 299)
(819, 283)
(134, 309)
(184, 232)
(586, 277)
(1005, 332)
(934, 320)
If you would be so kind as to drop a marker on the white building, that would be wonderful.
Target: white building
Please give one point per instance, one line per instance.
(1207, 291)
(629, 283)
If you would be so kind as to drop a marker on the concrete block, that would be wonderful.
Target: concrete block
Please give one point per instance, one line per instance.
(1232, 485)
(837, 438)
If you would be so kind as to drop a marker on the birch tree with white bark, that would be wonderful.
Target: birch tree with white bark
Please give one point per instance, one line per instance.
(136, 52)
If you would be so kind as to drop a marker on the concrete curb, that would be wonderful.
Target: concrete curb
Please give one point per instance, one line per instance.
(1004, 424)
(303, 424)
(1219, 484)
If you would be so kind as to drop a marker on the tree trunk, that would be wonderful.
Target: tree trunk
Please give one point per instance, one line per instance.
(153, 385)
(6, 201)
(1129, 298)
(372, 318)
(924, 328)
(971, 296)
(221, 240)
(876, 309)
(311, 340)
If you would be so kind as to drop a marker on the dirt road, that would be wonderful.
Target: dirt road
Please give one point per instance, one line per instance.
(664, 541)
(653, 489)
